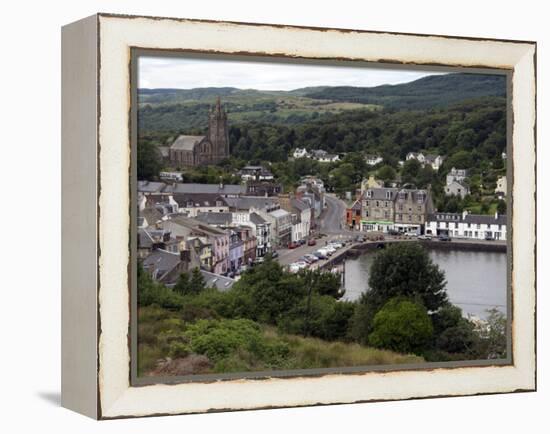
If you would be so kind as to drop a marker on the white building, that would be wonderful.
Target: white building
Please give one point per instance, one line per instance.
(426, 159)
(302, 224)
(457, 188)
(300, 153)
(502, 186)
(373, 160)
(458, 175)
(467, 226)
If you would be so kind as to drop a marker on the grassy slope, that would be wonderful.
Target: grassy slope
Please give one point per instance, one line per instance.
(159, 326)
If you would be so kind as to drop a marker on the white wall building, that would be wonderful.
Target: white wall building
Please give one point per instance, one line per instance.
(468, 226)
(300, 153)
(373, 160)
(502, 186)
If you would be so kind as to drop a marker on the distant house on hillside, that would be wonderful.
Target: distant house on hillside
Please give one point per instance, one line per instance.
(373, 160)
(300, 153)
(255, 173)
(455, 183)
(323, 156)
(435, 161)
(502, 187)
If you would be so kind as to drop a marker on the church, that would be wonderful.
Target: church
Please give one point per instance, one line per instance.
(192, 151)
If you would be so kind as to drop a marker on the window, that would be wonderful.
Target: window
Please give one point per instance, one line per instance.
(377, 203)
(410, 219)
(419, 208)
(400, 207)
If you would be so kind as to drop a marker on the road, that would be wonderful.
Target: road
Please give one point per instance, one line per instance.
(331, 223)
(333, 218)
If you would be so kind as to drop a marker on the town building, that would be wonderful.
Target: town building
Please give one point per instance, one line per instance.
(373, 160)
(411, 210)
(323, 156)
(192, 204)
(468, 226)
(301, 212)
(502, 187)
(435, 161)
(281, 226)
(263, 188)
(255, 173)
(192, 151)
(236, 251)
(385, 209)
(377, 210)
(185, 228)
(458, 175)
(353, 214)
(371, 182)
(300, 153)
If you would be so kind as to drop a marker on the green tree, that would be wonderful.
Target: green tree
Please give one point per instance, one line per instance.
(149, 160)
(386, 173)
(400, 270)
(401, 325)
(196, 282)
(410, 171)
(501, 207)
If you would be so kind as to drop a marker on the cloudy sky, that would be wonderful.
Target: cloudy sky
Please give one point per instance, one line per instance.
(188, 73)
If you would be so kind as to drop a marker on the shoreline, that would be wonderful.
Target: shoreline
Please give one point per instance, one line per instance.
(357, 250)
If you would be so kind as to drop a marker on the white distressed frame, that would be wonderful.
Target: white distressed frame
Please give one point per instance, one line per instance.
(117, 34)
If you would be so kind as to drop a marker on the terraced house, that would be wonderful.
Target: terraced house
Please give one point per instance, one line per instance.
(385, 209)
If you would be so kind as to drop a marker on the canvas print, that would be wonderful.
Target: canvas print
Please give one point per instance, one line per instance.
(301, 216)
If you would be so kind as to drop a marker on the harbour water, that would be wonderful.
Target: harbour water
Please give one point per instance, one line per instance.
(476, 281)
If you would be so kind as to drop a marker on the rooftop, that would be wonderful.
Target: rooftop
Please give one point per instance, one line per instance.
(186, 143)
(207, 189)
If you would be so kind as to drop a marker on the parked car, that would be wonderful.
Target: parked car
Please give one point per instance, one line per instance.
(393, 232)
(311, 242)
(321, 254)
(444, 238)
(274, 254)
(293, 245)
(330, 250)
(301, 264)
(312, 257)
(305, 259)
(301, 242)
(489, 238)
(411, 234)
(425, 237)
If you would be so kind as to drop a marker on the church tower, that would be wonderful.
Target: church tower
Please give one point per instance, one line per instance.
(218, 132)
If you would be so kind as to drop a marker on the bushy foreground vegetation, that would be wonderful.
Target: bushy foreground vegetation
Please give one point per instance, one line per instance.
(272, 319)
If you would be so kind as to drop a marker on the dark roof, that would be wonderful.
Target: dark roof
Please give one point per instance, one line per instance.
(221, 189)
(150, 187)
(162, 261)
(215, 218)
(199, 199)
(299, 204)
(152, 215)
(221, 283)
(186, 143)
(247, 202)
(380, 193)
(257, 219)
(196, 225)
(499, 219)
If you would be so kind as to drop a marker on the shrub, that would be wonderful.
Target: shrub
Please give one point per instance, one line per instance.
(401, 325)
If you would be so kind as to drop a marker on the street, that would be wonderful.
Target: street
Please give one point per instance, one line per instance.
(331, 223)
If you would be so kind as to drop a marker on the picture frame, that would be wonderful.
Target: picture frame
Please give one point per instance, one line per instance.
(97, 162)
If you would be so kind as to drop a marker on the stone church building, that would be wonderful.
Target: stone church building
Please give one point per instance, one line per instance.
(192, 151)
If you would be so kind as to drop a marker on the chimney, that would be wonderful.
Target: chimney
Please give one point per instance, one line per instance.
(496, 215)
(464, 214)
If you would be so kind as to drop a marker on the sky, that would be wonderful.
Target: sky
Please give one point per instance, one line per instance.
(189, 73)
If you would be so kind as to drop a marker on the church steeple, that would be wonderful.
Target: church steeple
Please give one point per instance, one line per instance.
(218, 132)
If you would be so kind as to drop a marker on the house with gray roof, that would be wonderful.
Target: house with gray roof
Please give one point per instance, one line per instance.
(468, 226)
(164, 266)
(192, 204)
(224, 190)
(221, 283)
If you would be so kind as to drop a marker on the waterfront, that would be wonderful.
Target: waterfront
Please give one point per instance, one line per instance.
(476, 280)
